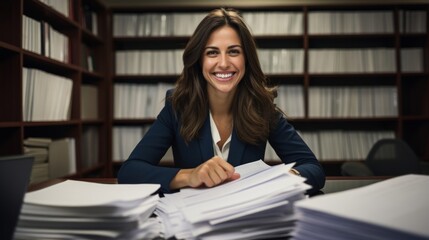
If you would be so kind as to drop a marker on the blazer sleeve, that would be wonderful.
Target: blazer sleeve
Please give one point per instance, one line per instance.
(290, 147)
(142, 164)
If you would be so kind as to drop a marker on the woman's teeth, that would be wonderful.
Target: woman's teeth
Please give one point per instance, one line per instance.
(223, 75)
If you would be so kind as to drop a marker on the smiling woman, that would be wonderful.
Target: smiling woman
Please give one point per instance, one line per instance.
(223, 63)
(221, 114)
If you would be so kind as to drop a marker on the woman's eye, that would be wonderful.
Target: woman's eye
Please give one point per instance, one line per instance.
(234, 52)
(211, 53)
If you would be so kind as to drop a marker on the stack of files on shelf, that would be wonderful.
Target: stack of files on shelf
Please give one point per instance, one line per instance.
(392, 209)
(339, 145)
(40, 37)
(39, 149)
(366, 60)
(89, 102)
(62, 6)
(125, 139)
(148, 62)
(31, 35)
(356, 101)
(53, 158)
(156, 24)
(90, 146)
(258, 204)
(62, 157)
(412, 21)
(275, 23)
(412, 60)
(346, 22)
(84, 210)
(281, 60)
(290, 99)
(45, 96)
(133, 101)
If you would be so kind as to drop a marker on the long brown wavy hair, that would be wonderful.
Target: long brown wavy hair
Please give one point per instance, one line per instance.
(254, 112)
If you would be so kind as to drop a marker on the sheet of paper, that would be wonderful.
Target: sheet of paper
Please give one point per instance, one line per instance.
(241, 200)
(270, 218)
(261, 192)
(400, 203)
(73, 193)
(241, 184)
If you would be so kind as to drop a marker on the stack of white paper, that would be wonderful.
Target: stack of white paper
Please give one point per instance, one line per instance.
(84, 210)
(259, 204)
(396, 208)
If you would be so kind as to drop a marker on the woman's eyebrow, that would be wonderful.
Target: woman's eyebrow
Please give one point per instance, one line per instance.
(211, 47)
(232, 46)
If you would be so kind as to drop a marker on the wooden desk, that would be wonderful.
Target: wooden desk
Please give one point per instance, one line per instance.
(341, 183)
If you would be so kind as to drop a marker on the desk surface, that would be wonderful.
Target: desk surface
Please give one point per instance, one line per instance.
(333, 183)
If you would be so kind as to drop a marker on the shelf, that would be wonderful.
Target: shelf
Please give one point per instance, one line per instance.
(327, 122)
(410, 89)
(91, 76)
(292, 41)
(6, 48)
(33, 60)
(51, 123)
(413, 39)
(412, 123)
(351, 41)
(347, 119)
(145, 78)
(414, 76)
(126, 43)
(91, 39)
(95, 122)
(10, 124)
(346, 124)
(362, 79)
(133, 122)
(11, 88)
(11, 142)
(13, 59)
(411, 119)
(40, 11)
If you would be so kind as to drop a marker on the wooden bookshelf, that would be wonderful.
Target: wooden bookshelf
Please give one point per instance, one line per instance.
(91, 63)
(412, 120)
(14, 58)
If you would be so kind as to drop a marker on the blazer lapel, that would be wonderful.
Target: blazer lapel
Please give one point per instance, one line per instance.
(206, 141)
(236, 150)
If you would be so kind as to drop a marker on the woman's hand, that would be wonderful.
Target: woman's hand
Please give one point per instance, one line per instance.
(210, 173)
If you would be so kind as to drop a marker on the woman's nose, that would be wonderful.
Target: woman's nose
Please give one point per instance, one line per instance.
(223, 61)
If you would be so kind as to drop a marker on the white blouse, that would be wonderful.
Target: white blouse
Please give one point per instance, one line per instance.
(223, 153)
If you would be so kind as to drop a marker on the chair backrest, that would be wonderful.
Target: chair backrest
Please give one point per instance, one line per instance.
(392, 157)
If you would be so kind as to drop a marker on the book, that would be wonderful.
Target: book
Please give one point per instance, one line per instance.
(62, 157)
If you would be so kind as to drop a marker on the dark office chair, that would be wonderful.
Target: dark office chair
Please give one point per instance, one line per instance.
(388, 157)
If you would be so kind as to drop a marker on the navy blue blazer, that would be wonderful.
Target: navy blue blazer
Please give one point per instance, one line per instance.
(142, 164)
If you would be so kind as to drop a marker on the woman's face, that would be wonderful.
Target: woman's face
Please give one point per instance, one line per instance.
(223, 61)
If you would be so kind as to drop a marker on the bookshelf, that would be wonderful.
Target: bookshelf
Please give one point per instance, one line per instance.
(90, 58)
(46, 38)
(372, 67)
